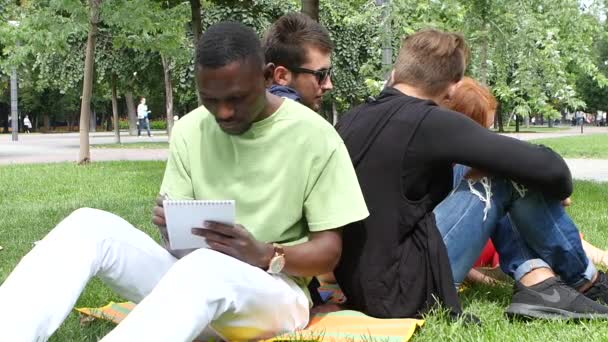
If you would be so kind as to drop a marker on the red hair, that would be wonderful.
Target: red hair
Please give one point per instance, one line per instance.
(475, 101)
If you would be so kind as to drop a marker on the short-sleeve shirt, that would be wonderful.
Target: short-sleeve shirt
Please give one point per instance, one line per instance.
(142, 111)
(290, 174)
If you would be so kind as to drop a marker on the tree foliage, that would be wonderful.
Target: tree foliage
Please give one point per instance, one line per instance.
(539, 56)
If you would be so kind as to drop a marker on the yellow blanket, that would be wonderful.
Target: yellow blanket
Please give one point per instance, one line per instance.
(339, 326)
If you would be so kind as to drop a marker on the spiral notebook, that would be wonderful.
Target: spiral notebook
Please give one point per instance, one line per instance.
(183, 215)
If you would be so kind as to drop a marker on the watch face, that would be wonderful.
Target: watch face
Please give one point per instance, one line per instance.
(276, 264)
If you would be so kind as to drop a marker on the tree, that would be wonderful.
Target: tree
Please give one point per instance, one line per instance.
(161, 31)
(357, 35)
(195, 8)
(115, 111)
(84, 155)
(311, 8)
(540, 57)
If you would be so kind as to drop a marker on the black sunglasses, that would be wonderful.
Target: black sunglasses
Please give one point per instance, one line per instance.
(321, 74)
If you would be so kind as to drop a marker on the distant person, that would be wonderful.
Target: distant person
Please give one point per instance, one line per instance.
(27, 124)
(142, 117)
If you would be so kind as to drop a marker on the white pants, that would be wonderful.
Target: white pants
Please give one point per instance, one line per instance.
(178, 299)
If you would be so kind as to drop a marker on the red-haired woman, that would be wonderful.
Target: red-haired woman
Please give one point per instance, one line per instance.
(477, 102)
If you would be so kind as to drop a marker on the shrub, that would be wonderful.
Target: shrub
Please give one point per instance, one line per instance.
(158, 124)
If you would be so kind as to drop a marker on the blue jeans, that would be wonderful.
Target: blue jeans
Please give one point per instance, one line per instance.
(141, 124)
(529, 230)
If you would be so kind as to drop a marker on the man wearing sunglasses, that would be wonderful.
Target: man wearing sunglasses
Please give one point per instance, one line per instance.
(298, 56)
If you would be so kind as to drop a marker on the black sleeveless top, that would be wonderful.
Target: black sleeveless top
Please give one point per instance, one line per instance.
(394, 263)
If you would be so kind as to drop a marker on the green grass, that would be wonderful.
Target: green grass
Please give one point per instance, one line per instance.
(140, 145)
(594, 146)
(34, 198)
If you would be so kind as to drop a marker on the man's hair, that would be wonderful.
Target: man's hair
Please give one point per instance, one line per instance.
(227, 42)
(431, 59)
(474, 100)
(286, 41)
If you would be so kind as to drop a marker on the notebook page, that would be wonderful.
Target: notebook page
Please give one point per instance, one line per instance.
(183, 215)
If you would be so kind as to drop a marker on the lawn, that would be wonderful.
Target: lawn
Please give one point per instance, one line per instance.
(593, 146)
(35, 198)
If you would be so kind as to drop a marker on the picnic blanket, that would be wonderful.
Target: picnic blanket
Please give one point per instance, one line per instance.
(339, 326)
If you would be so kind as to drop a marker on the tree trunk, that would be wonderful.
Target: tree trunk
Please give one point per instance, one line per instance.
(501, 128)
(195, 6)
(168, 93)
(483, 68)
(517, 124)
(132, 115)
(84, 155)
(387, 45)
(334, 112)
(5, 123)
(311, 8)
(4, 114)
(115, 111)
(93, 121)
(102, 122)
(46, 119)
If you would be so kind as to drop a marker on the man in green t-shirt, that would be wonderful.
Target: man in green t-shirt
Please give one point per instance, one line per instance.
(294, 187)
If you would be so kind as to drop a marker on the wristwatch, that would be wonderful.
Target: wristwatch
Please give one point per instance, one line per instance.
(278, 260)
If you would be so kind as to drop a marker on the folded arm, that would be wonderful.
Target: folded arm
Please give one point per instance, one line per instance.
(453, 138)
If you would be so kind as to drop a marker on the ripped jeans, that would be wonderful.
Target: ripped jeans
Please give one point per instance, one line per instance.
(529, 230)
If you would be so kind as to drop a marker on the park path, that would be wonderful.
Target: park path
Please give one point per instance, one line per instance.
(571, 131)
(586, 169)
(62, 147)
(49, 148)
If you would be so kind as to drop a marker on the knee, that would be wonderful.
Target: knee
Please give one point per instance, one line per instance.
(202, 263)
(88, 223)
(203, 258)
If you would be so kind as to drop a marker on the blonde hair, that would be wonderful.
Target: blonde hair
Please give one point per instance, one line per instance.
(474, 100)
(431, 59)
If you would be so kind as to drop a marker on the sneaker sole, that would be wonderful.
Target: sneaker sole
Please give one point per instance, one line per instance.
(536, 311)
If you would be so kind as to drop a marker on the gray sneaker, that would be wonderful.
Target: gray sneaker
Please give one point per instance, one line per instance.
(599, 290)
(553, 299)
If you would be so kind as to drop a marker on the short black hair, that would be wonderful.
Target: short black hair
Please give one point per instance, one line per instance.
(286, 41)
(227, 42)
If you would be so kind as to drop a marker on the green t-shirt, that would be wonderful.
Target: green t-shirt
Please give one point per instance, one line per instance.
(290, 174)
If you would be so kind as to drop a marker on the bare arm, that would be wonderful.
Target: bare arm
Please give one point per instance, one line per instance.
(319, 255)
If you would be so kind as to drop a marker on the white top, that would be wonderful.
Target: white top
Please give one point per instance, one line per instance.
(142, 111)
(27, 122)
